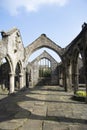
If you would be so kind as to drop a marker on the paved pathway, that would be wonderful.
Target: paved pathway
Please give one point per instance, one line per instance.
(48, 108)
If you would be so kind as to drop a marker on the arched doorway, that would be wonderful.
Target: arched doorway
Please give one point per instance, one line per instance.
(78, 77)
(4, 74)
(81, 71)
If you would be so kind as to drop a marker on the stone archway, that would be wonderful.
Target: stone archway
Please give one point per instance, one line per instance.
(77, 65)
(4, 74)
(44, 70)
(6, 69)
(12, 45)
(42, 41)
(70, 57)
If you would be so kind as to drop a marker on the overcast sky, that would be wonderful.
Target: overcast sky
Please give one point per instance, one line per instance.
(60, 20)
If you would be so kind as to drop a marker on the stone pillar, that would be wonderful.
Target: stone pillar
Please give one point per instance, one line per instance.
(11, 87)
(69, 78)
(76, 83)
(24, 77)
(76, 80)
(21, 84)
(64, 78)
(61, 79)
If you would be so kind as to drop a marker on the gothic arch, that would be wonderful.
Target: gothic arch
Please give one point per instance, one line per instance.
(46, 58)
(74, 59)
(10, 62)
(42, 41)
(43, 70)
(6, 68)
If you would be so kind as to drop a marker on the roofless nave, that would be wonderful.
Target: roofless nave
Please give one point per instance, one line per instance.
(17, 73)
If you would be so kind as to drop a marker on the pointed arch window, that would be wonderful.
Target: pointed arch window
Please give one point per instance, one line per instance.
(44, 67)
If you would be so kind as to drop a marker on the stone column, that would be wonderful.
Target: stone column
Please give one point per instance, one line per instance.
(61, 79)
(11, 87)
(76, 84)
(21, 85)
(69, 78)
(76, 80)
(64, 79)
(24, 77)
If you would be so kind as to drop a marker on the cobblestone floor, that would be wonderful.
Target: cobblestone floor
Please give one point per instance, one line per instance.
(49, 108)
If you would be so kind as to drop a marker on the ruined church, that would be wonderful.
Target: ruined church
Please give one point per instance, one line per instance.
(17, 73)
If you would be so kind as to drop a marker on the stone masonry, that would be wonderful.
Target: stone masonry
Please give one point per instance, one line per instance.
(16, 55)
(34, 65)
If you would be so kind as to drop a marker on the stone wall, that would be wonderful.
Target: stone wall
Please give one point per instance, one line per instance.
(13, 50)
(35, 79)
